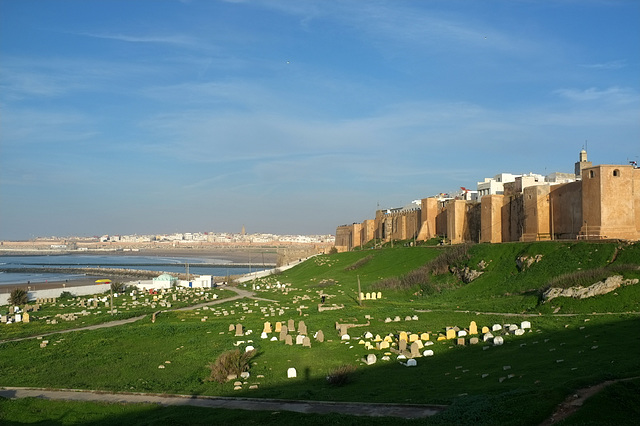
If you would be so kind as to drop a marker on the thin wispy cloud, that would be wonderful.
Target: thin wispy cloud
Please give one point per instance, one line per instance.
(175, 39)
(298, 105)
(612, 94)
(611, 65)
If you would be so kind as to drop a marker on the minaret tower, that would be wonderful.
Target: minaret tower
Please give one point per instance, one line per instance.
(582, 164)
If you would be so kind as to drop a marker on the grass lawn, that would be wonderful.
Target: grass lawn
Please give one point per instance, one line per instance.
(519, 382)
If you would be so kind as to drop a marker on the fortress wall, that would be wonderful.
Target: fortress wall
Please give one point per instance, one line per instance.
(428, 214)
(566, 210)
(636, 200)
(537, 224)
(516, 217)
(608, 202)
(343, 238)
(463, 221)
(441, 221)
(368, 230)
(491, 219)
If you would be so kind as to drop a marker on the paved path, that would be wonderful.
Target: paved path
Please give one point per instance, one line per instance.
(407, 411)
(241, 295)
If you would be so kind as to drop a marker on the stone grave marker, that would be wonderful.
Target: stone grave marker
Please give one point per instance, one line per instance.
(415, 350)
(461, 341)
(292, 373)
(485, 329)
(473, 328)
(306, 342)
(370, 359)
(319, 336)
(288, 340)
(291, 326)
(267, 327)
(525, 324)
(284, 332)
(451, 333)
(302, 328)
(379, 295)
(402, 345)
(239, 330)
(403, 336)
(299, 339)
(278, 327)
(498, 340)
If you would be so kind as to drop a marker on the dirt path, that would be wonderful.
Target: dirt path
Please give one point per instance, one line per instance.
(573, 402)
(407, 411)
(241, 295)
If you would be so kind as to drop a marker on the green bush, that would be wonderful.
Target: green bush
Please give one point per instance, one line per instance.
(341, 375)
(359, 263)
(118, 287)
(230, 363)
(18, 296)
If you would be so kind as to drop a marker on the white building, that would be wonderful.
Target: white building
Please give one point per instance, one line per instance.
(202, 281)
(495, 185)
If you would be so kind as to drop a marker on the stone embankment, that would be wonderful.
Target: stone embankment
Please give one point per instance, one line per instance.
(112, 272)
(599, 288)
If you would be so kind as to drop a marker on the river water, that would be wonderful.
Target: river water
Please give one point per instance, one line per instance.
(197, 266)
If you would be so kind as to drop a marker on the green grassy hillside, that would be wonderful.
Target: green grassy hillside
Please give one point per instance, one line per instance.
(572, 343)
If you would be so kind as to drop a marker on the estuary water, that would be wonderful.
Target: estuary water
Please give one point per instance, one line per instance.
(11, 266)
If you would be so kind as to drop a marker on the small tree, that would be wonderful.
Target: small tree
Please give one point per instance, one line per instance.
(230, 363)
(117, 287)
(18, 297)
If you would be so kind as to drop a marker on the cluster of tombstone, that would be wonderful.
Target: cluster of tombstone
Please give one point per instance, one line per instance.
(16, 314)
(371, 296)
(283, 331)
(408, 346)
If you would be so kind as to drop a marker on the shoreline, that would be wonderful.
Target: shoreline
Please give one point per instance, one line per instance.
(239, 255)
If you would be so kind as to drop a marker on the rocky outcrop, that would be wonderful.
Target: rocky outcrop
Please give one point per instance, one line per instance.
(597, 289)
(525, 262)
(466, 274)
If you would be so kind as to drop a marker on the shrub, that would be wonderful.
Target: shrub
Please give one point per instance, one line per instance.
(117, 287)
(452, 256)
(341, 375)
(230, 363)
(66, 295)
(18, 296)
(333, 250)
(360, 263)
(326, 283)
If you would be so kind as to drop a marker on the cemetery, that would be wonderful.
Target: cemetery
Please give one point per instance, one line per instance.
(490, 349)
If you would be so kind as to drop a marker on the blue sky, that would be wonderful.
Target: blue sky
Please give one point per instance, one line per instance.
(157, 116)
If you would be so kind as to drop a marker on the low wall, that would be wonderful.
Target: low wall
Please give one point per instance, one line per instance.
(55, 292)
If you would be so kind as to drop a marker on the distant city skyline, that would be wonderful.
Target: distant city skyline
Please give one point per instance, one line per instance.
(295, 117)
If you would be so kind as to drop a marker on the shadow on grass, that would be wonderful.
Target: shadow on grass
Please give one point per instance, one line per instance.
(520, 382)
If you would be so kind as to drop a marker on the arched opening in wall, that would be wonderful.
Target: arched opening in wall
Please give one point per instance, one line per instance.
(592, 174)
(616, 173)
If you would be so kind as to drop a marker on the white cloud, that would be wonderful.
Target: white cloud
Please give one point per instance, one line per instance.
(619, 95)
(173, 39)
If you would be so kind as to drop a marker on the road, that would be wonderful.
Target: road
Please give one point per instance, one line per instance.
(407, 411)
